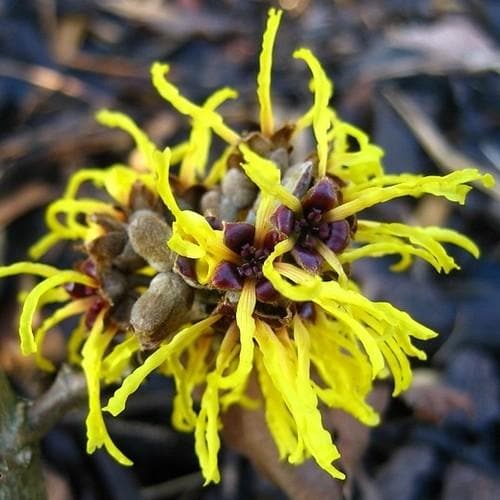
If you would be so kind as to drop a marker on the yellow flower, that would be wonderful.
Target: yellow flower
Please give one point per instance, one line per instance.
(269, 244)
(92, 291)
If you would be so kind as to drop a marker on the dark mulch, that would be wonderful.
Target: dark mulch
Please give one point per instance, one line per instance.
(420, 76)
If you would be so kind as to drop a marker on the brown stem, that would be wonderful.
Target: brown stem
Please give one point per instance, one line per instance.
(20, 468)
(67, 391)
(23, 424)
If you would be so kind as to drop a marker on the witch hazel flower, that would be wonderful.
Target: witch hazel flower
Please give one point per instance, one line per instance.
(275, 260)
(251, 279)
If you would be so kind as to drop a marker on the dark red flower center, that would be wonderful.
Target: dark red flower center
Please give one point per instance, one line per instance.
(310, 227)
(253, 259)
(80, 291)
(240, 238)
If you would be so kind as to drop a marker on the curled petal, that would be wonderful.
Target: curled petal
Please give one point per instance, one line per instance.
(28, 344)
(453, 187)
(179, 342)
(196, 157)
(171, 93)
(246, 326)
(321, 114)
(70, 309)
(93, 351)
(267, 176)
(289, 373)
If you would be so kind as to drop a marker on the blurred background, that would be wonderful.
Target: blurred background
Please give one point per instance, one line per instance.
(421, 76)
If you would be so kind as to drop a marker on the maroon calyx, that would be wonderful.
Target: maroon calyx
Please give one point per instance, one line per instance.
(265, 292)
(339, 237)
(186, 267)
(323, 196)
(238, 234)
(214, 222)
(284, 220)
(306, 258)
(88, 267)
(97, 306)
(306, 311)
(272, 238)
(227, 277)
(79, 290)
(227, 311)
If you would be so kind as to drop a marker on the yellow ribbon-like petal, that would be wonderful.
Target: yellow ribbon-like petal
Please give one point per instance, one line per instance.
(192, 235)
(171, 93)
(206, 434)
(321, 115)
(246, 326)
(28, 344)
(289, 373)
(266, 175)
(196, 156)
(425, 242)
(93, 351)
(61, 314)
(452, 186)
(178, 343)
(115, 363)
(356, 166)
(116, 119)
(264, 76)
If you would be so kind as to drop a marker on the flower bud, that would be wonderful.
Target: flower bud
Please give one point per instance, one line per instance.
(162, 308)
(148, 234)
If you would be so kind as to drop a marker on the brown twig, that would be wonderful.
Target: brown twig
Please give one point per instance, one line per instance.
(51, 79)
(22, 425)
(20, 468)
(67, 391)
(174, 487)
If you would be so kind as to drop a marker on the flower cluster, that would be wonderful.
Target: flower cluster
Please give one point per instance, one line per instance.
(249, 278)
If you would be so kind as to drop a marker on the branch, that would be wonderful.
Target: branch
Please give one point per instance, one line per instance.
(67, 391)
(20, 468)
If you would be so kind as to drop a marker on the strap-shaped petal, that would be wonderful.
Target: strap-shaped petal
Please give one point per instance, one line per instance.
(289, 372)
(321, 115)
(266, 175)
(264, 75)
(71, 309)
(453, 187)
(171, 93)
(246, 326)
(196, 156)
(192, 235)
(28, 344)
(93, 352)
(179, 342)
(425, 242)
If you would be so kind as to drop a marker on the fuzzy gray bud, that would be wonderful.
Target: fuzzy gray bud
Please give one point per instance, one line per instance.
(162, 308)
(148, 234)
